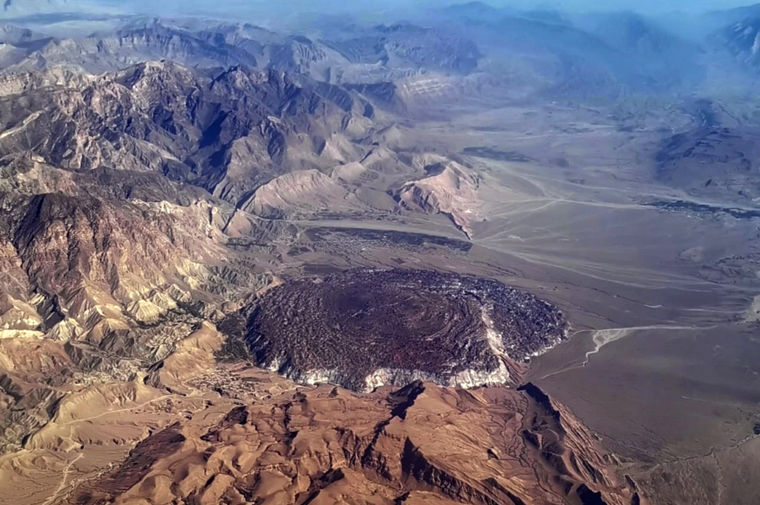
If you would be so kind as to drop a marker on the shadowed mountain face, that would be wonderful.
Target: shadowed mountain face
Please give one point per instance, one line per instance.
(379, 452)
(715, 162)
(717, 159)
(372, 262)
(227, 133)
(742, 40)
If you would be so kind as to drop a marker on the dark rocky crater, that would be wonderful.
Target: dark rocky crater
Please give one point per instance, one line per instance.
(363, 329)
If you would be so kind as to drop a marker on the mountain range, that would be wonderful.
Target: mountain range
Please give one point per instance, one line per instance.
(318, 263)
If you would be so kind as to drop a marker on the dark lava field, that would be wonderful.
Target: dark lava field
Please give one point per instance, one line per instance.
(358, 327)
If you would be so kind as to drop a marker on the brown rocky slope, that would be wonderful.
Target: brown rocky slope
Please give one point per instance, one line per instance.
(422, 444)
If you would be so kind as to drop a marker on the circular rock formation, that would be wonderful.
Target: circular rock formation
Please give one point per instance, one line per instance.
(363, 329)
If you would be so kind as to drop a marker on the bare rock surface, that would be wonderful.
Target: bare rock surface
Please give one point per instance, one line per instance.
(364, 329)
(421, 444)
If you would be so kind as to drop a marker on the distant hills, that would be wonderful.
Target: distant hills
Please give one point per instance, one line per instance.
(546, 52)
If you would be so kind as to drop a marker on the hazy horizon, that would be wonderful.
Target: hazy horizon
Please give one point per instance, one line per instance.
(246, 8)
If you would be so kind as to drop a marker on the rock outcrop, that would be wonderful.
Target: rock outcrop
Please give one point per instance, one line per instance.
(448, 188)
(420, 444)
